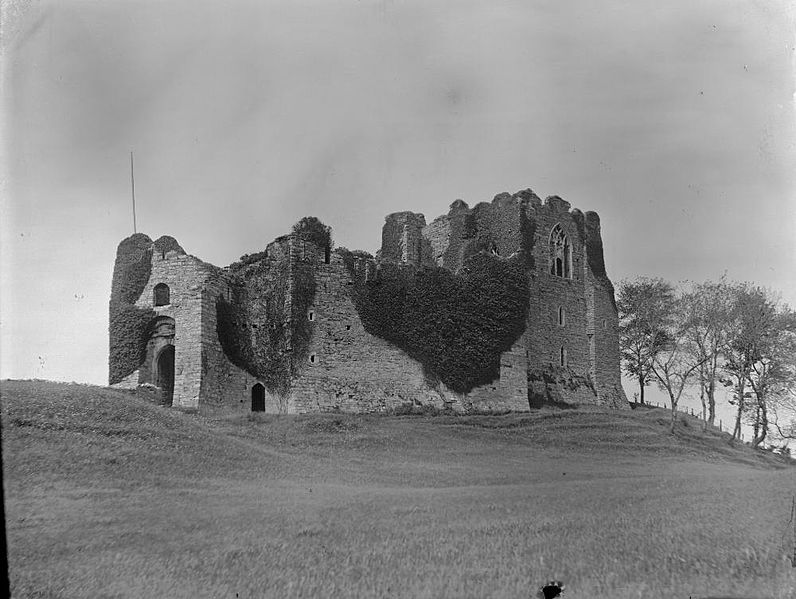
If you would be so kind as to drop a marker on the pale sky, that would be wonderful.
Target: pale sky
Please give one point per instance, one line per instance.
(674, 121)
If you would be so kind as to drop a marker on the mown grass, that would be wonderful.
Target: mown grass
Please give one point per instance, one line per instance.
(109, 496)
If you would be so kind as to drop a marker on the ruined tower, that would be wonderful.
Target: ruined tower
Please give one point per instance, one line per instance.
(294, 328)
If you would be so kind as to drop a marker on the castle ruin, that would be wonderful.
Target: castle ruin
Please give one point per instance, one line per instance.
(502, 306)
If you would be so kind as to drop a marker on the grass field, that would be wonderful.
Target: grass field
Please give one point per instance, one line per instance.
(109, 496)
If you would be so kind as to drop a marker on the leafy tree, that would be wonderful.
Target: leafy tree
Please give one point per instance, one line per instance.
(706, 317)
(646, 310)
(780, 410)
(675, 364)
(772, 375)
(752, 323)
(311, 229)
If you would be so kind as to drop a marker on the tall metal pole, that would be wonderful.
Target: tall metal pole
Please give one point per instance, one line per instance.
(132, 185)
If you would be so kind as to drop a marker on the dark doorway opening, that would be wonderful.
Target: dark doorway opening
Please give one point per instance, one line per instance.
(165, 379)
(258, 398)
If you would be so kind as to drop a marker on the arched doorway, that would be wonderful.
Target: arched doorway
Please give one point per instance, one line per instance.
(165, 375)
(258, 398)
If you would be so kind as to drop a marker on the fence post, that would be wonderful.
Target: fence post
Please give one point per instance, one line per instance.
(720, 424)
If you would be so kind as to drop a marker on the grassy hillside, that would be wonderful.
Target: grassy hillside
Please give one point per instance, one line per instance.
(107, 495)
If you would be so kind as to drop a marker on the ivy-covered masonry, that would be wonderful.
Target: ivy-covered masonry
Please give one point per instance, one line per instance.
(500, 307)
(263, 327)
(129, 323)
(457, 325)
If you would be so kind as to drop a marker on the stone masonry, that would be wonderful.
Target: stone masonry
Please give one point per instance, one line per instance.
(568, 353)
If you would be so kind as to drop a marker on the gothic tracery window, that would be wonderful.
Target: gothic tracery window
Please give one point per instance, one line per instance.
(560, 254)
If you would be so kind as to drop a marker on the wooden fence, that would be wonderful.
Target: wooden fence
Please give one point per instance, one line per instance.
(689, 412)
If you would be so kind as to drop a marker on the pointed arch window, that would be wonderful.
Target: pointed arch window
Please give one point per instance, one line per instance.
(560, 253)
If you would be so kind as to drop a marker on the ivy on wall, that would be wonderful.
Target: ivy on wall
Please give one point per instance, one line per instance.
(252, 327)
(314, 231)
(130, 329)
(455, 325)
(129, 325)
(495, 228)
(132, 268)
(308, 230)
(300, 326)
(594, 252)
(262, 330)
(167, 244)
(246, 260)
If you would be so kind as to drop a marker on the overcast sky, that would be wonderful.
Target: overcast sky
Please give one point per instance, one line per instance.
(674, 121)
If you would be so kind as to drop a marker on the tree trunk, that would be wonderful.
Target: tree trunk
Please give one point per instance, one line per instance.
(761, 423)
(756, 423)
(674, 412)
(641, 388)
(736, 431)
(712, 402)
(702, 400)
(740, 390)
(711, 389)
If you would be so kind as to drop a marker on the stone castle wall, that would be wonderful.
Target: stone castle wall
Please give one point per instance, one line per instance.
(575, 314)
(225, 386)
(559, 317)
(348, 369)
(186, 277)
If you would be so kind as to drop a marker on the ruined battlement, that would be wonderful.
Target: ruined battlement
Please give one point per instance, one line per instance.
(502, 305)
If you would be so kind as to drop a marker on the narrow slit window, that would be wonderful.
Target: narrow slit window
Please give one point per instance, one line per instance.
(563, 357)
(313, 358)
(311, 316)
(562, 317)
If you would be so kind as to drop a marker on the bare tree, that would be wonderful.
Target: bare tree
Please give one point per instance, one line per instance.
(646, 310)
